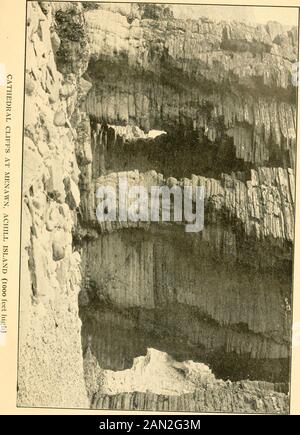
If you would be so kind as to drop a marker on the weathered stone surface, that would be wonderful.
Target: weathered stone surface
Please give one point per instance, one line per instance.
(58, 245)
(263, 204)
(50, 371)
(55, 40)
(213, 399)
(238, 61)
(222, 296)
(59, 119)
(176, 295)
(177, 387)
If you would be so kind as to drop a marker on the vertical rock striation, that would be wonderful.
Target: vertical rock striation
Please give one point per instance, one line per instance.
(154, 300)
(222, 78)
(223, 93)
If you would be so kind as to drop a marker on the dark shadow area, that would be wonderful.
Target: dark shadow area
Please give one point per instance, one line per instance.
(166, 291)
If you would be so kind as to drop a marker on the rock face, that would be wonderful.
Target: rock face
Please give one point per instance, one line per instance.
(222, 78)
(186, 386)
(263, 204)
(236, 398)
(50, 371)
(177, 296)
(166, 320)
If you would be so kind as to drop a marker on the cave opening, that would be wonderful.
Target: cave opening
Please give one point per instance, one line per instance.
(177, 153)
(215, 298)
(168, 290)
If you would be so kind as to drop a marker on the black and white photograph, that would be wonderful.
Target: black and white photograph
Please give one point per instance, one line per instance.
(158, 207)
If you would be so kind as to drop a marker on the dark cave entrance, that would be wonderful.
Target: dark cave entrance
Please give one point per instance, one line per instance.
(197, 298)
(178, 153)
(167, 291)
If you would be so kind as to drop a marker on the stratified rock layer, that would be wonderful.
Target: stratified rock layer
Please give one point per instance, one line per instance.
(216, 77)
(222, 296)
(236, 398)
(166, 290)
(175, 386)
(224, 94)
(263, 205)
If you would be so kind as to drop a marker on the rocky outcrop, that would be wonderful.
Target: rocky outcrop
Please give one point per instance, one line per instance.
(214, 281)
(221, 78)
(178, 386)
(165, 290)
(237, 398)
(263, 205)
(99, 79)
(50, 371)
(210, 297)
